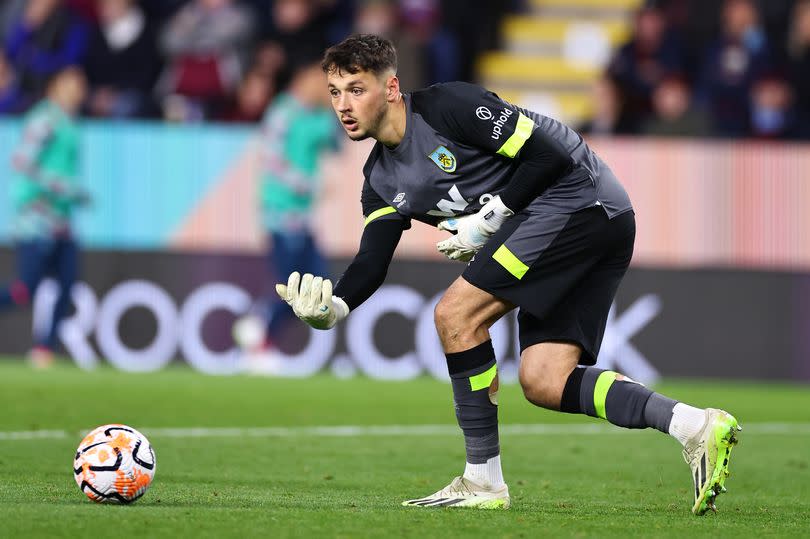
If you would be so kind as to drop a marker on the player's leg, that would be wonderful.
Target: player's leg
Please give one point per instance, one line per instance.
(20, 292)
(551, 379)
(570, 334)
(32, 258)
(286, 256)
(65, 262)
(257, 331)
(463, 318)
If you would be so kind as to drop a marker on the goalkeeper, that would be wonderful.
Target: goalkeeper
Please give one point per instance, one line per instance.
(545, 226)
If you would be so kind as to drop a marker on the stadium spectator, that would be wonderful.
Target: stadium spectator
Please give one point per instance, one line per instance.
(476, 27)
(732, 64)
(12, 100)
(609, 117)
(382, 17)
(438, 47)
(673, 114)
(205, 45)
(10, 11)
(161, 10)
(122, 62)
(799, 64)
(297, 33)
(251, 99)
(43, 39)
(640, 64)
(45, 194)
(772, 115)
(695, 24)
(86, 9)
(297, 129)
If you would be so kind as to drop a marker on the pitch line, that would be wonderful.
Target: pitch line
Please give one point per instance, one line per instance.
(548, 429)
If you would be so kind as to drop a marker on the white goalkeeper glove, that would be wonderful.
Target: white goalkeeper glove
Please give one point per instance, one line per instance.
(312, 301)
(473, 231)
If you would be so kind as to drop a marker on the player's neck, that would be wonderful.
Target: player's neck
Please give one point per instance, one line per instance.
(392, 129)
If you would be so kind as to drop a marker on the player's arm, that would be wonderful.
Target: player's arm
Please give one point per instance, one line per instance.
(368, 269)
(36, 134)
(541, 163)
(312, 298)
(474, 116)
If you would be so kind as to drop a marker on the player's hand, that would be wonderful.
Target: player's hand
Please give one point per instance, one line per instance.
(455, 247)
(312, 301)
(472, 231)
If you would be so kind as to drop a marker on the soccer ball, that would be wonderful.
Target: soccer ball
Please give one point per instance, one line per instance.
(114, 464)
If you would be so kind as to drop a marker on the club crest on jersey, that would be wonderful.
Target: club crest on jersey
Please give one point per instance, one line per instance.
(443, 159)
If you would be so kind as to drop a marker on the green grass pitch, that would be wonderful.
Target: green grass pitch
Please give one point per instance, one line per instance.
(565, 480)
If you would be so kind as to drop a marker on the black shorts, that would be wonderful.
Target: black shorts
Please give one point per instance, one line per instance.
(562, 270)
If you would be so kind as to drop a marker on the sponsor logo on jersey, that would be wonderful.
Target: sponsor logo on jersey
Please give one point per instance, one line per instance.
(399, 200)
(483, 113)
(444, 159)
(498, 123)
(449, 208)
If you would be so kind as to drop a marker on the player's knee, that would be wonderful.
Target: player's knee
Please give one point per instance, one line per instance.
(537, 391)
(453, 323)
(445, 316)
(449, 312)
(542, 385)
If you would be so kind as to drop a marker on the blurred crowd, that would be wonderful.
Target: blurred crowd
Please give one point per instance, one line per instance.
(730, 68)
(726, 68)
(219, 60)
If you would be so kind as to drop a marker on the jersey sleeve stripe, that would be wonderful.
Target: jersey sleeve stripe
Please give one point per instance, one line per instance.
(523, 130)
(510, 262)
(379, 213)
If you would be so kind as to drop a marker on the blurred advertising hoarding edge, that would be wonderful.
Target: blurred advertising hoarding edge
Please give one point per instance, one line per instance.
(193, 188)
(142, 310)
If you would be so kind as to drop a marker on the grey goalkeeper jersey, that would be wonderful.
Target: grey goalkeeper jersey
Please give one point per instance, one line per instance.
(461, 146)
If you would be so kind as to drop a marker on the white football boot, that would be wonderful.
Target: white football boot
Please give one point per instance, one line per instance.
(707, 454)
(462, 492)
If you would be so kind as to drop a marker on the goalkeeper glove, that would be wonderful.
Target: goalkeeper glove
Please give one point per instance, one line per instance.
(312, 301)
(473, 231)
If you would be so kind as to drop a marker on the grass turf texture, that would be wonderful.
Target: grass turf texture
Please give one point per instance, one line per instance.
(610, 484)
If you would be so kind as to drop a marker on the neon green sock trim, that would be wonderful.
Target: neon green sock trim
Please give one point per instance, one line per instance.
(379, 213)
(600, 392)
(523, 130)
(480, 381)
(508, 260)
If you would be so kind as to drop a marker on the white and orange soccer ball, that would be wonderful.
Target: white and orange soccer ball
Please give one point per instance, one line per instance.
(114, 464)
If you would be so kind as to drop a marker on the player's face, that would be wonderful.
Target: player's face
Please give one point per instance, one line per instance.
(359, 100)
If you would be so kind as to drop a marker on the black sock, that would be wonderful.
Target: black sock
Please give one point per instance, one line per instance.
(597, 393)
(473, 373)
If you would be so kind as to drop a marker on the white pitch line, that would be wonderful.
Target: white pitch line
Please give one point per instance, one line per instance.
(33, 435)
(385, 430)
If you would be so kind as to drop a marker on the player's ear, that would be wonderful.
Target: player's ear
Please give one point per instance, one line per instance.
(392, 88)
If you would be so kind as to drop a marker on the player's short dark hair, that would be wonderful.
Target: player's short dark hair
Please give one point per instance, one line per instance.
(360, 52)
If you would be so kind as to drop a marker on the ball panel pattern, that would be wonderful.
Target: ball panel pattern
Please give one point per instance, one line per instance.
(114, 464)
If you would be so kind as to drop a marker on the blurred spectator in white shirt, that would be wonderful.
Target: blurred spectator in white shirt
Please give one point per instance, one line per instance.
(122, 62)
